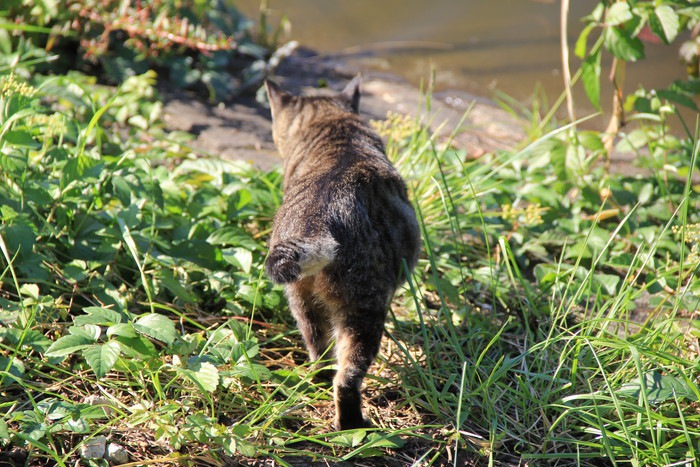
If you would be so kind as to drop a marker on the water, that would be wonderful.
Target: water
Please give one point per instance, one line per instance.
(474, 45)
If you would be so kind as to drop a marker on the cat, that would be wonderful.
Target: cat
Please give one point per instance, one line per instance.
(341, 236)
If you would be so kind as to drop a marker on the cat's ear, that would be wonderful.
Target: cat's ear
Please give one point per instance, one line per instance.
(352, 93)
(276, 96)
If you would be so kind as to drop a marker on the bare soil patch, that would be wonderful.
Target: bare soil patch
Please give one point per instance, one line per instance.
(241, 129)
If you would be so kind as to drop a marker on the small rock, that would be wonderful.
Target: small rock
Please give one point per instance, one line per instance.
(116, 454)
(93, 448)
(106, 405)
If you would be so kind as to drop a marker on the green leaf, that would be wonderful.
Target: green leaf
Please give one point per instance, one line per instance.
(578, 250)
(624, 47)
(4, 431)
(14, 367)
(678, 98)
(590, 75)
(79, 425)
(633, 141)
(245, 448)
(139, 121)
(645, 195)
(618, 13)
(385, 440)
(350, 439)
(31, 338)
(30, 289)
(241, 257)
(591, 140)
(122, 190)
(205, 375)
(546, 273)
(90, 331)
(98, 315)
(6, 45)
(582, 41)
(21, 138)
(167, 278)
(157, 326)
(575, 161)
(122, 329)
(102, 358)
(137, 347)
(551, 151)
(664, 23)
(69, 344)
(226, 236)
(252, 372)
(76, 271)
(608, 282)
(237, 201)
(659, 388)
(198, 252)
(76, 168)
(20, 240)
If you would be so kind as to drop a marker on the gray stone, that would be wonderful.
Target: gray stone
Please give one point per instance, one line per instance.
(116, 454)
(93, 448)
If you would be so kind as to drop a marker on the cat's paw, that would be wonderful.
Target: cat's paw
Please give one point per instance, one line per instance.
(355, 423)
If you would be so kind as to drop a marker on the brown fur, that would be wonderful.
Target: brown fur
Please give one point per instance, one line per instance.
(341, 234)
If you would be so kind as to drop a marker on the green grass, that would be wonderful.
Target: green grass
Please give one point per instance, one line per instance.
(552, 316)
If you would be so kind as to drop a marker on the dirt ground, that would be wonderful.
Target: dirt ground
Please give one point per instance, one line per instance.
(241, 129)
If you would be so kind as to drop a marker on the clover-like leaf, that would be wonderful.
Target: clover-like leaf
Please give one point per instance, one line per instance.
(102, 358)
(659, 388)
(664, 23)
(69, 344)
(157, 326)
(206, 375)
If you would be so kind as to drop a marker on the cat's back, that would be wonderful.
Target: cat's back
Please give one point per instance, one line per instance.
(337, 179)
(340, 168)
(365, 205)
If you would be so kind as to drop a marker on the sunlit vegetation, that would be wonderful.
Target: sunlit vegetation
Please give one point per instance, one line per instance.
(552, 316)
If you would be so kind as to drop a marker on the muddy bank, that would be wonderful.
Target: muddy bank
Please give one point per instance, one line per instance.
(241, 129)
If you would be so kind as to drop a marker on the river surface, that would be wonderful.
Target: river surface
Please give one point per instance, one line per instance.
(476, 46)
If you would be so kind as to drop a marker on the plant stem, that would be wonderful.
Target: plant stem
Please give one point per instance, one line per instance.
(565, 59)
(617, 120)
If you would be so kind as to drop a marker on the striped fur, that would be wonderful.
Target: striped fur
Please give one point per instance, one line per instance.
(340, 238)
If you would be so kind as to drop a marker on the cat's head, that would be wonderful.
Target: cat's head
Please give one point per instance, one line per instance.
(290, 111)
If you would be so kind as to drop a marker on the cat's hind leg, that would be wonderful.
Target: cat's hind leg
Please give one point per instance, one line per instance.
(357, 344)
(312, 320)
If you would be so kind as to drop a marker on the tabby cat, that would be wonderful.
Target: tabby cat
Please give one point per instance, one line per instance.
(341, 235)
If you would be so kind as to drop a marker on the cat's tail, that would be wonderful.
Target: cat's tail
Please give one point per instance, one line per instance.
(294, 258)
